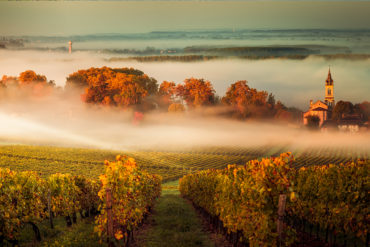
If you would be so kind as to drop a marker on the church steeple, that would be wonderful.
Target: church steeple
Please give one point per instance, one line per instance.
(329, 90)
(329, 80)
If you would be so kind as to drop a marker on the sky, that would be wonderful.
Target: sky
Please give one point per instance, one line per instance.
(62, 18)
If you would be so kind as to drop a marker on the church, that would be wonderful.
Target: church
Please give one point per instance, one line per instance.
(322, 109)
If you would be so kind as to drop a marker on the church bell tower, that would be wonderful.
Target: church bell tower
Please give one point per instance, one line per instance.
(329, 91)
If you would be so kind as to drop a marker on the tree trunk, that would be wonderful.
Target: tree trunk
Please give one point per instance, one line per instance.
(36, 230)
(69, 221)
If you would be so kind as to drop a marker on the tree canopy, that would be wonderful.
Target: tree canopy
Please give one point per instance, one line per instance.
(245, 100)
(176, 108)
(30, 76)
(35, 84)
(118, 87)
(340, 108)
(167, 93)
(196, 92)
(363, 109)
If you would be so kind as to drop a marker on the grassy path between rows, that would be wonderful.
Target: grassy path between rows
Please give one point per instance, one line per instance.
(173, 223)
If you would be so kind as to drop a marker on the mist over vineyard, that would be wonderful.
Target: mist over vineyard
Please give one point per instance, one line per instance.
(63, 119)
(184, 123)
(294, 82)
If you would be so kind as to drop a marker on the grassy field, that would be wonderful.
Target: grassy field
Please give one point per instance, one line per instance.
(173, 223)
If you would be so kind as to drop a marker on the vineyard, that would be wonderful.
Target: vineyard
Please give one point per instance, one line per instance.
(170, 164)
(27, 199)
(243, 201)
(78, 192)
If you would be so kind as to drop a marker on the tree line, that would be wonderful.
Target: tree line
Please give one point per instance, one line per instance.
(132, 88)
(128, 87)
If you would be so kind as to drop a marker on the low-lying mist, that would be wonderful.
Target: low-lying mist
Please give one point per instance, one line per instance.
(63, 120)
(294, 82)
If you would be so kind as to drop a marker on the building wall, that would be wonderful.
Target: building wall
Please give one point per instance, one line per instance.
(321, 114)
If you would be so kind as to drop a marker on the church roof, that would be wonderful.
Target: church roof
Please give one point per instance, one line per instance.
(329, 80)
(319, 109)
(319, 101)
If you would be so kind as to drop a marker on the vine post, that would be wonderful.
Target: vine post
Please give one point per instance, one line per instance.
(281, 213)
(110, 232)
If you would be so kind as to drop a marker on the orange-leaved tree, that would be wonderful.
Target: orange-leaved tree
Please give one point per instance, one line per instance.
(28, 83)
(30, 76)
(196, 92)
(246, 101)
(117, 87)
(167, 93)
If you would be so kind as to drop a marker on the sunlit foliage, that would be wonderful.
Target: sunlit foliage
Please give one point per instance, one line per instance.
(28, 83)
(196, 92)
(133, 191)
(176, 107)
(245, 198)
(167, 93)
(121, 87)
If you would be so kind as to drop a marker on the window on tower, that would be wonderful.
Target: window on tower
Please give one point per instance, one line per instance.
(329, 91)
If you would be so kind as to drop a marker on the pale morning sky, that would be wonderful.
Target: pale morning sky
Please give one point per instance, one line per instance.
(90, 17)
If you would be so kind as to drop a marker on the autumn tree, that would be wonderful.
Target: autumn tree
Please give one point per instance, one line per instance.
(121, 87)
(340, 108)
(28, 83)
(196, 92)
(246, 101)
(83, 78)
(271, 101)
(30, 76)
(8, 81)
(363, 109)
(167, 93)
(176, 108)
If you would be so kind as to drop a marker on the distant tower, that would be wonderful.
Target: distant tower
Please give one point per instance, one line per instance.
(70, 47)
(329, 91)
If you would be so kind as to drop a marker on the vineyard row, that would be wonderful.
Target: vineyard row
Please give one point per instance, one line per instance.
(243, 200)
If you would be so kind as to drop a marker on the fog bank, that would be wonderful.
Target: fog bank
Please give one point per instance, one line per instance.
(294, 82)
(65, 121)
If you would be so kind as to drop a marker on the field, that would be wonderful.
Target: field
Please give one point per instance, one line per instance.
(170, 163)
